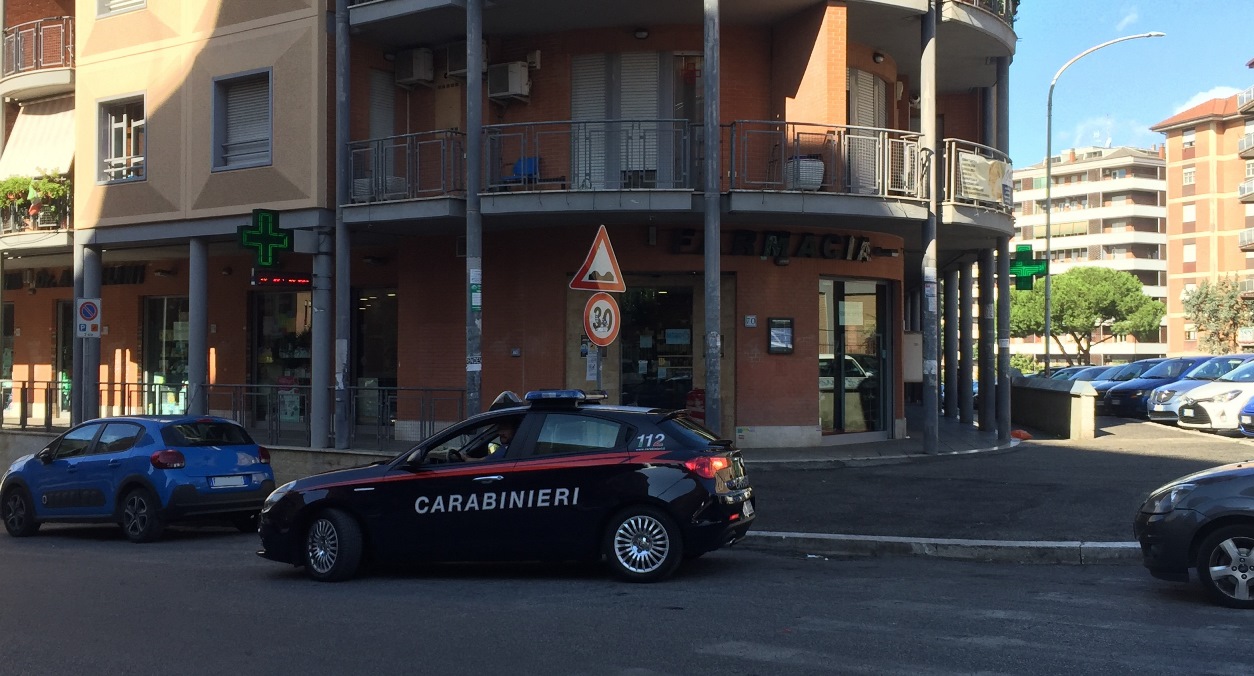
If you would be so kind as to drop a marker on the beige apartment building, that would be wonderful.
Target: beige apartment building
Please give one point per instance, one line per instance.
(1109, 210)
(1210, 203)
(352, 222)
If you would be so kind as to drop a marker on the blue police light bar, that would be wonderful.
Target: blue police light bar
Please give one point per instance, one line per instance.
(549, 395)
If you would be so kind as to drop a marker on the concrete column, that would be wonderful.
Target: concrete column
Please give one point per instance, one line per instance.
(988, 342)
(91, 346)
(930, 144)
(321, 328)
(951, 344)
(713, 221)
(343, 241)
(966, 344)
(474, 217)
(1003, 340)
(197, 327)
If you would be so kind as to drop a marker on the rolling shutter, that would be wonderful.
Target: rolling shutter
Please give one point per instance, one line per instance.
(588, 110)
(247, 122)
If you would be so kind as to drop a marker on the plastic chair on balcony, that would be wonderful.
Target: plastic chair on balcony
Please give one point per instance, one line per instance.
(526, 171)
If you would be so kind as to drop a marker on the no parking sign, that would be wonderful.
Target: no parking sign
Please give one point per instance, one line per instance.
(87, 318)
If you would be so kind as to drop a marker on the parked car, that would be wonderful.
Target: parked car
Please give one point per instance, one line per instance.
(141, 472)
(1095, 373)
(1246, 418)
(1124, 374)
(637, 487)
(1203, 521)
(1164, 400)
(1066, 372)
(1129, 399)
(1216, 406)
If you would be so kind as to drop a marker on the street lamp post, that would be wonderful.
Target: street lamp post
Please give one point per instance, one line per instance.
(1049, 164)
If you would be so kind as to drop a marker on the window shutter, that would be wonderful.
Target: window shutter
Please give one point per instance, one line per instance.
(587, 109)
(247, 122)
(638, 108)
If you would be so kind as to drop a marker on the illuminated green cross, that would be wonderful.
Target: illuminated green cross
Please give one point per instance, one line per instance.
(1026, 269)
(265, 235)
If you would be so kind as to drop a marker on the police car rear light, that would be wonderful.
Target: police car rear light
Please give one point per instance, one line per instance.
(168, 459)
(707, 467)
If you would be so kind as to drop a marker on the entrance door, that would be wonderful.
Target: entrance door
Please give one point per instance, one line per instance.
(165, 353)
(657, 345)
(281, 358)
(65, 357)
(376, 356)
(853, 359)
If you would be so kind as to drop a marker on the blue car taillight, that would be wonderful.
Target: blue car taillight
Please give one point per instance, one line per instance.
(168, 459)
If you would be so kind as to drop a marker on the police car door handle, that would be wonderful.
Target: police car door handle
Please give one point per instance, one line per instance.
(488, 479)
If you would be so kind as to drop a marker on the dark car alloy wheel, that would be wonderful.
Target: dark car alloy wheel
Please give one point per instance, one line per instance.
(141, 520)
(18, 513)
(332, 546)
(643, 544)
(1225, 566)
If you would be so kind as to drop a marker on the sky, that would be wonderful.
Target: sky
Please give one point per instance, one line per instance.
(1118, 92)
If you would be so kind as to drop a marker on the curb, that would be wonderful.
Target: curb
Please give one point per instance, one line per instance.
(873, 461)
(1002, 551)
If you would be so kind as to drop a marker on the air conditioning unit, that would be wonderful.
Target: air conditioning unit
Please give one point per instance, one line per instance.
(509, 80)
(455, 64)
(414, 66)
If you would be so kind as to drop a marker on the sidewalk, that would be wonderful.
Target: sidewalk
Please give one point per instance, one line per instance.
(1039, 501)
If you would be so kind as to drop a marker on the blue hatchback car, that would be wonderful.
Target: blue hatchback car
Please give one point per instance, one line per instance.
(1130, 399)
(140, 472)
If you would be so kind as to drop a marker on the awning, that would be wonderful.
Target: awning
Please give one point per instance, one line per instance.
(42, 140)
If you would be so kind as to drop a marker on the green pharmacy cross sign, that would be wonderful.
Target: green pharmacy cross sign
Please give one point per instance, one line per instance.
(1026, 269)
(265, 235)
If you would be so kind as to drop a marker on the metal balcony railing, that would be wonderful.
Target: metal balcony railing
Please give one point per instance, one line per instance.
(1245, 98)
(1245, 191)
(409, 166)
(1002, 9)
(37, 45)
(54, 215)
(978, 175)
(589, 155)
(1246, 287)
(1245, 144)
(839, 159)
(383, 418)
(1245, 238)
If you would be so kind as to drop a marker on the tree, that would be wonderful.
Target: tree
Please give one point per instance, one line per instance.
(1217, 311)
(1083, 299)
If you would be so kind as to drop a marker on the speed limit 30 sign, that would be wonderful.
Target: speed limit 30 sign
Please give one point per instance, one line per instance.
(600, 319)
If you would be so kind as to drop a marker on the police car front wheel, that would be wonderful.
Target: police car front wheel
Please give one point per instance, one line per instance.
(643, 544)
(333, 545)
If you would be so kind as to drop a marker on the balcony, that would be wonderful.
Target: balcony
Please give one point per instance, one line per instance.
(1245, 101)
(425, 169)
(38, 59)
(1245, 147)
(1245, 191)
(977, 186)
(1245, 240)
(1246, 288)
(580, 166)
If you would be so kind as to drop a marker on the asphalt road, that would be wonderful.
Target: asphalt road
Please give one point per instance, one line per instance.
(81, 600)
(1040, 490)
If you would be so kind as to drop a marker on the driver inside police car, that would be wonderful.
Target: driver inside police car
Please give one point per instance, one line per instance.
(497, 444)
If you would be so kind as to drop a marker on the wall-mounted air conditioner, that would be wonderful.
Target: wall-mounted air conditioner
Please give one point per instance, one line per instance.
(455, 63)
(414, 66)
(509, 80)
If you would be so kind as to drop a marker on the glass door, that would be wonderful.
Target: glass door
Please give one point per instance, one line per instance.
(657, 345)
(166, 333)
(377, 312)
(65, 355)
(852, 356)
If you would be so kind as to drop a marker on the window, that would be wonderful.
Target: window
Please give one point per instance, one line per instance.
(1190, 334)
(118, 437)
(107, 7)
(242, 122)
(565, 433)
(122, 141)
(1189, 213)
(1038, 183)
(76, 441)
(1249, 169)
(1190, 253)
(1190, 176)
(1187, 139)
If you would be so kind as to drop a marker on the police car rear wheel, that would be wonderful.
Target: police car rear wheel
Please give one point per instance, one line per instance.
(332, 546)
(643, 544)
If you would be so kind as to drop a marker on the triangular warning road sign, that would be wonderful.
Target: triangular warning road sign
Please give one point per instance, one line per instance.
(599, 271)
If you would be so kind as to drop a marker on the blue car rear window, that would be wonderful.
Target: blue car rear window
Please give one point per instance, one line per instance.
(206, 433)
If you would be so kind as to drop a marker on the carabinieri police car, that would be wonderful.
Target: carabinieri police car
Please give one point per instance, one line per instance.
(559, 477)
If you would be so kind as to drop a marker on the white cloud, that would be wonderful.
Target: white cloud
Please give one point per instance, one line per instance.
(1096, 131)
(1130, 17)
(1202, 97)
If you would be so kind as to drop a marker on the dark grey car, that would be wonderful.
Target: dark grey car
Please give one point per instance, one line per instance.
(1204, 521)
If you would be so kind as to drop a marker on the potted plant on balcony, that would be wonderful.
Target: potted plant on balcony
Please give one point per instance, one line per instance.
(13, 191)
(54, 191)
